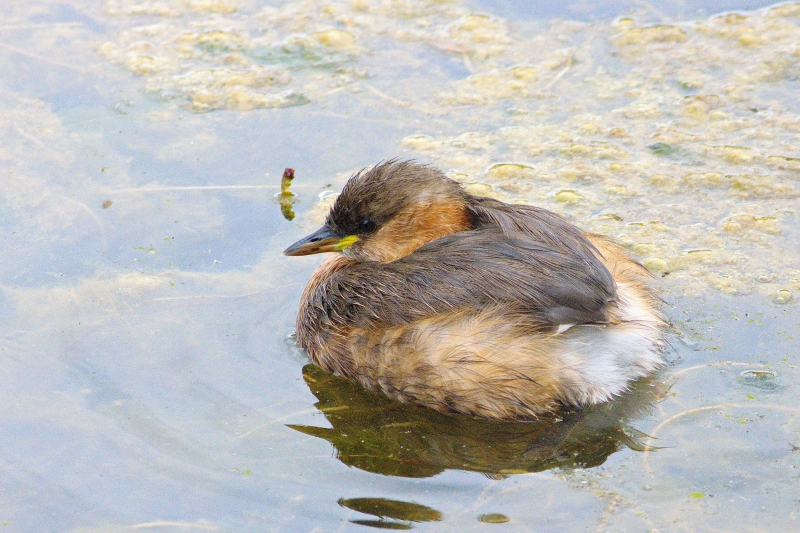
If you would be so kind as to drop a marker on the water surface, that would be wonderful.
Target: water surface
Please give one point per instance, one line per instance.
(146, 362)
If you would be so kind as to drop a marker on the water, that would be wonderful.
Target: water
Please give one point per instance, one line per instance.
(146, 360)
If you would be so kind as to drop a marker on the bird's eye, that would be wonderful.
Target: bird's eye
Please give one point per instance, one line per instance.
(367, 226)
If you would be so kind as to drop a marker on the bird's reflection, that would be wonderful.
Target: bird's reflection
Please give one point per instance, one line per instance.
(379, 435)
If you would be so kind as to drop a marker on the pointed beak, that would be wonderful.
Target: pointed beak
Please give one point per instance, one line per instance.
(322, 240)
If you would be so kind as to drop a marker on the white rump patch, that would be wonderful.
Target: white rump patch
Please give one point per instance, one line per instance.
(600, 361)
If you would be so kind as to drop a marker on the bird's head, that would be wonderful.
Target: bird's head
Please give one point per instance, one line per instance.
(389, 211)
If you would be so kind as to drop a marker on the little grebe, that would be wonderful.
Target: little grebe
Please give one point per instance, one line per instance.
(468, 304)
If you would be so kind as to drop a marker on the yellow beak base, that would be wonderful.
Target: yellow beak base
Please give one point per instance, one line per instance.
(321, 241)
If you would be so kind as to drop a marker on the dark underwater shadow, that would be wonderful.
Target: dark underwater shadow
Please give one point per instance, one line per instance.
(379, 435)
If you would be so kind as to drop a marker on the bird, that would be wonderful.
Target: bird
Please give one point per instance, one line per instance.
(466, 304)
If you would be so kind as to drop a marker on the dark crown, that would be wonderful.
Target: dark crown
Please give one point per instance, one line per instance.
(378, 194)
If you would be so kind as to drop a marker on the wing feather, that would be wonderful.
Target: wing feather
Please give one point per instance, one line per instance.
(469, 271)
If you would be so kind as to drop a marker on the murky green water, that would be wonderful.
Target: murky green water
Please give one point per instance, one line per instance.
(146, 365)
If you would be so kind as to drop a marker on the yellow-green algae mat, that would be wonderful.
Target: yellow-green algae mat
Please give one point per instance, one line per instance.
(678, 139)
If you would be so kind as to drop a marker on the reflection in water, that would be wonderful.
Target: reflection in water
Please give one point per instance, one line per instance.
(390, 509)
(378, 435)
(382, 524)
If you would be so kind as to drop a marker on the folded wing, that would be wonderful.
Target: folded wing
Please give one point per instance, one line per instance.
(470, 271)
